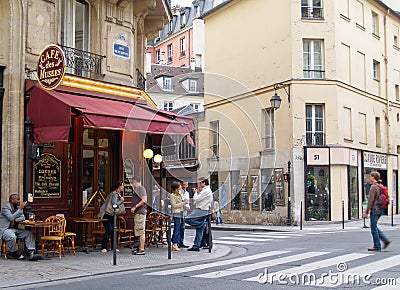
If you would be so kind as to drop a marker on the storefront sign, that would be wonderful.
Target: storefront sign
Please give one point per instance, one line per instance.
(47, 177)
(51, 67)
(128, 176)
(375, 160)
(317, 156)
(121, 47)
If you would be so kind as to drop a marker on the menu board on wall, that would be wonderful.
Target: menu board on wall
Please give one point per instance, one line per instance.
(47, 177)
(128, 176)
(243, 192)
(279, 194)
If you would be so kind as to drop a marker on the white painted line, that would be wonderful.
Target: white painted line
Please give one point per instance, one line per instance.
(366, 269)
(231, 242)
(217, 264)
(259, 265)
(270, 277)
(244, 239)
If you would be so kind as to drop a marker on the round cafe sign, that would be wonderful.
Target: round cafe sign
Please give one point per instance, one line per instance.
(51, 67)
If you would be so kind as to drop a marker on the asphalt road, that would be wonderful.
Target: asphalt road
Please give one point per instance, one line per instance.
(312, 259)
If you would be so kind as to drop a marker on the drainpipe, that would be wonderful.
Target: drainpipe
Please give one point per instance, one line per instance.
(387, 120)
(2, 90)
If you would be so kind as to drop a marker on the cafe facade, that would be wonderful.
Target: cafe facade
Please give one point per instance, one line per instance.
(64, 146)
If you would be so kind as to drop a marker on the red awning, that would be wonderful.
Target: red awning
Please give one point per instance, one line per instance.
(51, 111)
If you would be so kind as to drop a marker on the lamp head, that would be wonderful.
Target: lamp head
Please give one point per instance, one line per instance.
(158, 158)
(275, 101)
(148, 153)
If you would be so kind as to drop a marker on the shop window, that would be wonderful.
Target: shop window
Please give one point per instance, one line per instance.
(255, 197)
(315, 135)
(317, 193)
(267, 189)
(353, 193)
(235, 189)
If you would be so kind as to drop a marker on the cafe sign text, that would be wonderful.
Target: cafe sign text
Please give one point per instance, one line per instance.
(375, 160)
(51, 67)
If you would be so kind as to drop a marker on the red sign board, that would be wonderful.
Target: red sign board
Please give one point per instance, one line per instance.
(51, 67)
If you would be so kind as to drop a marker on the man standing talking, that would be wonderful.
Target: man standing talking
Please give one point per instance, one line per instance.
(186, 207)
(139, 200)
(197, 218)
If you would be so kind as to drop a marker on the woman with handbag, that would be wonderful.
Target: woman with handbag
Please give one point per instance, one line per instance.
(107, 212)
(177, 204)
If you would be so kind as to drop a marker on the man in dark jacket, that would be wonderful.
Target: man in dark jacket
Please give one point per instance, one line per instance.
(10, 215)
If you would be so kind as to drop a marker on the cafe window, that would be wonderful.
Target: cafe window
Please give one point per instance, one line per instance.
(235, 189)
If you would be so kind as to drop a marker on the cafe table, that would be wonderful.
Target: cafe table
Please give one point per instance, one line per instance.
(85, 223)
(37, 225)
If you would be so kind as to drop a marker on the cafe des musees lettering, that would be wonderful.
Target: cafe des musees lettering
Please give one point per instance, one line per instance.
(51, 67)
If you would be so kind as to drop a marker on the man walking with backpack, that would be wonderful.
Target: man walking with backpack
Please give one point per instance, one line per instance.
(377, 202)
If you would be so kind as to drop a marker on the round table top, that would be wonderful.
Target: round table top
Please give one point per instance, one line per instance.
(37, 224)
(88, 220)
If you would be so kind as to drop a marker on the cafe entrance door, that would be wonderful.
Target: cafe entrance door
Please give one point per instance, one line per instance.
(99, 165)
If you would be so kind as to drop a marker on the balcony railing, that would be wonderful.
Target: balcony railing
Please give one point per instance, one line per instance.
(82, 63)
(315, 139)
(311, 12)
(141, 81)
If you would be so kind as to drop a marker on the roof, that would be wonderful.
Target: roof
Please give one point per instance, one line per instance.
(178, 74)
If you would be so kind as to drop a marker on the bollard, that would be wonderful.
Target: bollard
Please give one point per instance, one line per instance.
(392, 211)
(169, 235)
(364, 207)
(115, 235)
(209, 233)
(342, 214)
(301, 215)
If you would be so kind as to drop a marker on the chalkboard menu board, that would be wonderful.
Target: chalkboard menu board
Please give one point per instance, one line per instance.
(128, 175)
(279, 194)
(47, 177)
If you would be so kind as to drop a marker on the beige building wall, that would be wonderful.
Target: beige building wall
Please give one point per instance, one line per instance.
(256, 55)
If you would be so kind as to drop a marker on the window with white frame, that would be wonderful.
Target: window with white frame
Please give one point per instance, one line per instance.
(269, 134)
(214, 136)
(158, 56)
(311, 9)
(183, 46)
(396, 92)
(193, 85)
(375, 23)
(396, 36)
(169, 49)
(196, 11)
(378, 131)
(168, 106)
(315, 135)
(195, 106)
(167, 83)
(170, 26)
(376, 70)
(312, 59)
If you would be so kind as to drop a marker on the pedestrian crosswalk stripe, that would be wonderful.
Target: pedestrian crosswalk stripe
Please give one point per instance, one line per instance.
(244, 239)
(231, 242)
(396, 285)
(265, 235)
(366, 269)
(259, 265)
(309, 267)
(217, 264)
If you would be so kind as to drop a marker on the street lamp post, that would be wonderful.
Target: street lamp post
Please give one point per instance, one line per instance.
(275, 104)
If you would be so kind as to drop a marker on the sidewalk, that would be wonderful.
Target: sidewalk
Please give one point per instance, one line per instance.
(23, 273)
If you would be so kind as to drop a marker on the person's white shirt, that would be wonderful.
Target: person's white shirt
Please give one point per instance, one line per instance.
(186, 196)
(204, 198)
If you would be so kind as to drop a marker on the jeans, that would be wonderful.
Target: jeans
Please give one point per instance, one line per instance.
(197, 219)
(182, 233)
(377, 234)
(176, 236)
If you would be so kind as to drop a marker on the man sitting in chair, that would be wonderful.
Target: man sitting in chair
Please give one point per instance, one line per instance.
(10, 215)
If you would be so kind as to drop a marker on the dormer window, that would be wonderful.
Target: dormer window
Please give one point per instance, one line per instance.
(196, 11)
(193, 86)
(167, 83)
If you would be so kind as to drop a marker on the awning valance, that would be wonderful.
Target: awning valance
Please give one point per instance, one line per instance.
(50, 112)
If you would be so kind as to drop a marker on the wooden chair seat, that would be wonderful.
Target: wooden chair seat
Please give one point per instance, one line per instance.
(156, 228)
(4, 248)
